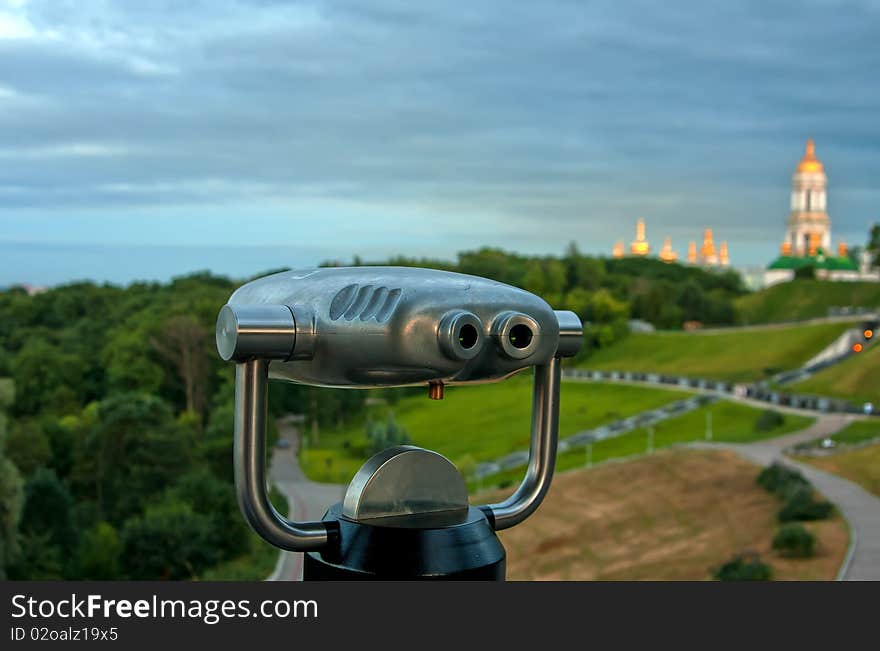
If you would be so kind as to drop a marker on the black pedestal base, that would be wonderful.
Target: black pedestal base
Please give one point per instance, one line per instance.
(468, 550)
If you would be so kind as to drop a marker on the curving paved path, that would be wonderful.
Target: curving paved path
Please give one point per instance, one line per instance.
(308, 500)
(860, 508)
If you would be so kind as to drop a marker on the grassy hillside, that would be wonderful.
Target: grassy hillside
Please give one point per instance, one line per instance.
(859, 431)
(481, 422)
(738, 355)
(861, 466)
(669, 516)
(804, 299)
(731, 423)
(857, 378)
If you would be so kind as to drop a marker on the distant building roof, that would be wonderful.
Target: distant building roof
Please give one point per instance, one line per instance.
(819, 261)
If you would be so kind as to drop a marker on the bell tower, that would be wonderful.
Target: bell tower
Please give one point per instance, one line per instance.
(808, 227)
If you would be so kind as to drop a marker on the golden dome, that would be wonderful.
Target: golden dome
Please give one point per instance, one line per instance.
(640, 245)
(809, 163)
(666, 253)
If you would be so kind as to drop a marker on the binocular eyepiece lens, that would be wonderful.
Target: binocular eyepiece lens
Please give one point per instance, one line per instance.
(460, 334)
(521, 336)
(516, 334)
(468, 336)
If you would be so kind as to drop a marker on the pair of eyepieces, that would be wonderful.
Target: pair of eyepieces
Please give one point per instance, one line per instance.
(462, 334)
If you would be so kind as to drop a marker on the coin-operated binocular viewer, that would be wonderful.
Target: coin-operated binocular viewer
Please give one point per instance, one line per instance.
(406, 512)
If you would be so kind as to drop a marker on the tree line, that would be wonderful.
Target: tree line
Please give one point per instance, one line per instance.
(116, 425)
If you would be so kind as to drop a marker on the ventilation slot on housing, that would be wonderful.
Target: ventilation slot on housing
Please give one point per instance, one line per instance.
(364, 302)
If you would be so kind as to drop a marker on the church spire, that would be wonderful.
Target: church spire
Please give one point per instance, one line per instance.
(809, 163)
(640, 245)
(666, 253)
(707, 251)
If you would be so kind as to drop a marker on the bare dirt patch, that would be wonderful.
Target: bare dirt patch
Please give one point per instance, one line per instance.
(668, 516)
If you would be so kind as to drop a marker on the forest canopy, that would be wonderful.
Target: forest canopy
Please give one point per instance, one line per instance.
(115, 446)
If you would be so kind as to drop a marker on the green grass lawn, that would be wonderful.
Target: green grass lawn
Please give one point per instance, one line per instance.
(856, 432)
(731, 423)
(861, 465)
(856, 379)
(738, 355)
(481, 422)
(804, 299)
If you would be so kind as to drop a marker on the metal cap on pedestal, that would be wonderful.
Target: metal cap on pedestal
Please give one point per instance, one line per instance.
(404, 481)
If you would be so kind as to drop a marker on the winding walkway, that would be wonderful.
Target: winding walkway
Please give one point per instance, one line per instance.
(860, 508)
(307, 499)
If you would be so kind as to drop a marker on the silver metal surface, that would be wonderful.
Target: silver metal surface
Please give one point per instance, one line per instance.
(249, 454)
(571, 333)
(387, 326)
(542, 451)
(405, 480)
(516, 334)
(461, 334)
(380, 326)
(248, 331)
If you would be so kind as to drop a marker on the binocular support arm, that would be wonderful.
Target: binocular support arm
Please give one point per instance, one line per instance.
(542, 451)
(251, 383)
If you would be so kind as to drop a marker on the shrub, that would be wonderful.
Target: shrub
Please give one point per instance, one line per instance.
(781, 480)
(801, 505)
(807, 272)
(794, 541)
(743, 567)
(385, 435)
(769, 420)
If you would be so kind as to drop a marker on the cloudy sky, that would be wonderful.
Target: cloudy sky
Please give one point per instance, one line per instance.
(425, 128)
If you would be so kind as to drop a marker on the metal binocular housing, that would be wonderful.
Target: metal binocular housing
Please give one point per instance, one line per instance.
(367, 327)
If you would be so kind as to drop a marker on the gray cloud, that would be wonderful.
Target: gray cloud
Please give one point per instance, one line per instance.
(572, 116)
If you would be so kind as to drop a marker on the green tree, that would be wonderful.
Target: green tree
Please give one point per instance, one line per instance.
(39, 559)
(46, 379)
(27, 446)
(170, 541)
(48, 512)
(128, 363)
(604, 308)
(134, 451)
(385, 435)
(183, 342)
(208, 495)
(807, 272)
(582, 271)
(11, 489)
(578, 301)
(11, 501)
(99, 554)
(214, 448)
(873, 246)
(495, 264)
(874, 238)
(693, 302)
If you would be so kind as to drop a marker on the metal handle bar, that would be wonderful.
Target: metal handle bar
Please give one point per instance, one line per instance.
(251, 383)
(542, 452)
(275, 325)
